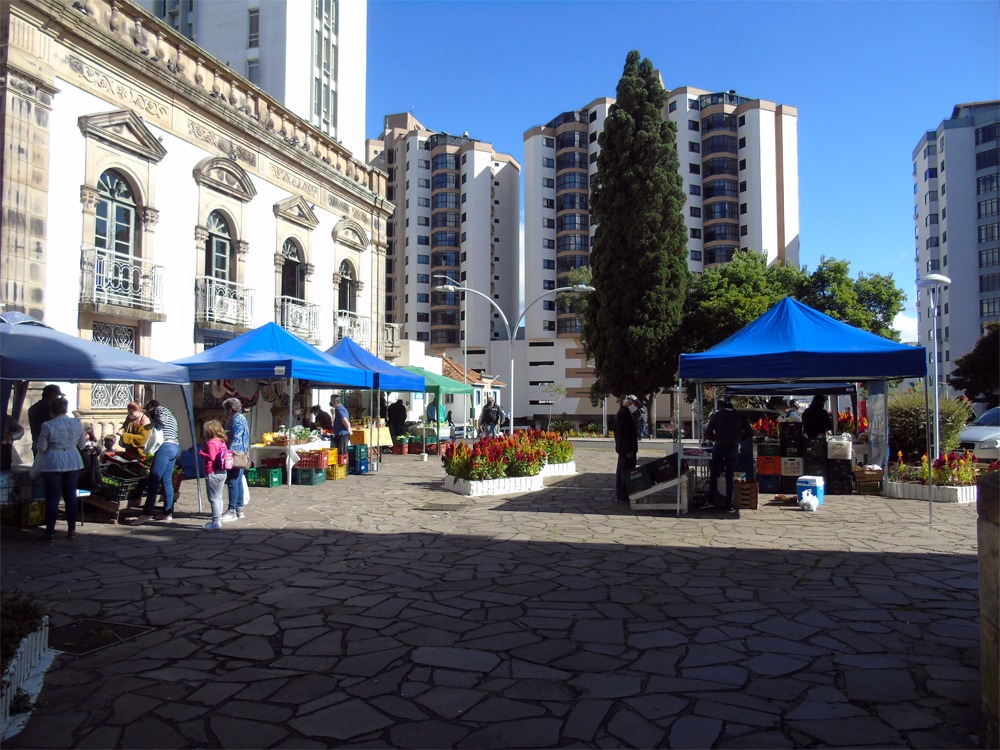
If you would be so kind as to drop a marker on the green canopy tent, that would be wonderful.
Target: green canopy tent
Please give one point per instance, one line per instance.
(438, 385)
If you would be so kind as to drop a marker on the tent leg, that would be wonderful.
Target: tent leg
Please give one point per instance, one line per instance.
(189, 403)
(291, 409)
(927, 435)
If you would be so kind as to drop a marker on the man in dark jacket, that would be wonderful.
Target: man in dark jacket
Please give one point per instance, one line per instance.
(396, 418)
(727, 428)
(626, 445)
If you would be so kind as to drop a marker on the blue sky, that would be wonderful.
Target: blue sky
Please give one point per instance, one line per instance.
(867, 78)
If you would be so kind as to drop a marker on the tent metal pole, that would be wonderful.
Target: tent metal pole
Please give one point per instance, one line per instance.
(930, 461)
(678, 445)
(189, 403)
(291, 407)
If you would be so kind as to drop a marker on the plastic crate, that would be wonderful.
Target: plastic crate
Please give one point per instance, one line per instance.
(415, 448)
(769, 483)
(313, 459)
(262, 477)
(638, 480)
(769, 465)
(768, 449)
(336, 472)
(356, 452)
(308, 476)
(120, 489)
(274, 462)
(360, 466)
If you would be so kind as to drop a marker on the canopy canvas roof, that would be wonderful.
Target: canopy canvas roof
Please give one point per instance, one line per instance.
(387, 377)
(793, 342)
(439, 384)
(272, 352)
(30, 350)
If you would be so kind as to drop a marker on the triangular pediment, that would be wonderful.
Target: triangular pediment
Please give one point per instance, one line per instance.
(123, 130)
(225, 176)
(297, 211)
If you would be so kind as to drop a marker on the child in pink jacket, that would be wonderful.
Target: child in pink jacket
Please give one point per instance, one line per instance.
(215, 473)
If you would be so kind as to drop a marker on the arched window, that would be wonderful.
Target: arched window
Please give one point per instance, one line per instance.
(116, 210)
(293, 272)
(219, 249)
(347, 295)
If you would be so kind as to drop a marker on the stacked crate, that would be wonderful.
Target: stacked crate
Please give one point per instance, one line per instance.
(263, 477)
(336, 471)
(308, 476)
(790, 442)
(768, 467)
(745, 495)
(839, 467)
(357, 459)
(814, 461)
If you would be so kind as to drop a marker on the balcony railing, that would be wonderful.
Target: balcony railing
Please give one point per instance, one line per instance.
(297, 316)
(218, 301)
(358, 328)
(121, 280)
(390, 345)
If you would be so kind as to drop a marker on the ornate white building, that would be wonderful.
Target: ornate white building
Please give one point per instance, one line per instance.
(157, 201)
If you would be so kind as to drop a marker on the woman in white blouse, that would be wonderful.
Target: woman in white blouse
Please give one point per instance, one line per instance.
(59, 462)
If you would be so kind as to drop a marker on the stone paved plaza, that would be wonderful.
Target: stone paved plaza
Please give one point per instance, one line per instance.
(382, 611)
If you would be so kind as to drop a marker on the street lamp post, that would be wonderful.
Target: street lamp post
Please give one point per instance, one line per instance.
(510, 333)
(933, 282)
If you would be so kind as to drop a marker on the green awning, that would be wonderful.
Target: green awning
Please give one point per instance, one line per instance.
(439, 384)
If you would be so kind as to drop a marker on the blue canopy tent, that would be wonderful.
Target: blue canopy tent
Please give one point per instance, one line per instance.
(793, 343)
(270, 352)
(32, 351)
(387, 377)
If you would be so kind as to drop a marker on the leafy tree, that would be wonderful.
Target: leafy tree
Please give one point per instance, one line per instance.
(728, 297)
(976, 372)
(556, 392)
(870, 302)
(639, 257)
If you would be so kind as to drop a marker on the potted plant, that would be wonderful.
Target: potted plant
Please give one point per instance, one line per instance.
(951, 478)
(492, 466)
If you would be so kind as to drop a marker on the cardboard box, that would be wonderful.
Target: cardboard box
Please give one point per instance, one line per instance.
(745, 495)
(639, 479)
(662, 469)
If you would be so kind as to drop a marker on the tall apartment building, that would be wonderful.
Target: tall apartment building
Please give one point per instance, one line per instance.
(457, 215)
(739, 164)
(956, 220)
(311, 56)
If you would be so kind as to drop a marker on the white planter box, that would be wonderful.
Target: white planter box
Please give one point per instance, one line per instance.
(506, 486)
(32, 658)
(935, 493)
(558, 470)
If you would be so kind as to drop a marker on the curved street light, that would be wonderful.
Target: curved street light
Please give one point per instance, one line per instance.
(578, 288)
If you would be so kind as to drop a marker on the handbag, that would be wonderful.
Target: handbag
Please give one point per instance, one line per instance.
(154, 440)
(241, 460)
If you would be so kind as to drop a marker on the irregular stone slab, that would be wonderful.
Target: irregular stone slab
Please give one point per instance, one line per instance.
(880, 685)
(233, 732)
(852, 732)
(634, 730)
(524, 733)
(584, 719)
(341, 722)
(456, 658)
(694, 731)
(431, 735)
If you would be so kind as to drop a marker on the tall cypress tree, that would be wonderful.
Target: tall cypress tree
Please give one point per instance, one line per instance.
(639, 257)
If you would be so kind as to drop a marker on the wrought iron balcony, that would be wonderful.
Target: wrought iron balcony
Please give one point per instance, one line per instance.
(218, 301)
(121, 281)
(358, 328)
(298, 316)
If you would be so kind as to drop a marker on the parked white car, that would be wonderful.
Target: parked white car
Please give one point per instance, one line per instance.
(982, 436)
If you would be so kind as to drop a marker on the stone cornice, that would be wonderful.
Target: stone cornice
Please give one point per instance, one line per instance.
(155, 55)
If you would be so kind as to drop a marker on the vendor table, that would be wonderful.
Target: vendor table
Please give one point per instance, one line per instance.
(371, 436)
(258, 452)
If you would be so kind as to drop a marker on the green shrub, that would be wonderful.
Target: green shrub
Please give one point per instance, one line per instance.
(20, 616)
(561, 426)
(910, 416)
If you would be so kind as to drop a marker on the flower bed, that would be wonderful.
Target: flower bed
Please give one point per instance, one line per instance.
(503, 486)
(522, 454)
(558, 470)
(949, 479)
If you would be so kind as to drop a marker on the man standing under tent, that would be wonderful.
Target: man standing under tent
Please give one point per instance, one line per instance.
(397, 418)
(727, 428)
(341, 425)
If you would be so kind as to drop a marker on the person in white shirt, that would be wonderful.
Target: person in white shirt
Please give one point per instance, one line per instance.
(59, 462)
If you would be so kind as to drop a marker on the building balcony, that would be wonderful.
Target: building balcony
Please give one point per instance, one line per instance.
(218, 301)
(298, 316)
(357, 328)
(121, 285)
